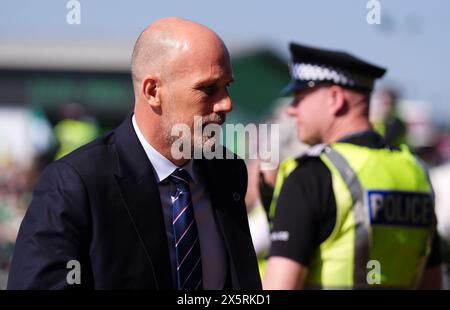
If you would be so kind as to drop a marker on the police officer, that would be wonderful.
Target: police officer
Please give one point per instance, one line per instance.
(389, 124)
(352, 212)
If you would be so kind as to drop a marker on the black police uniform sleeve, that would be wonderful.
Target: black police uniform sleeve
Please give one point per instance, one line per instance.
(305, 213)
(52, 233)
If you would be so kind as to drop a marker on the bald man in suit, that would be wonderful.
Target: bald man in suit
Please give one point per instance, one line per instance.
(111, 206)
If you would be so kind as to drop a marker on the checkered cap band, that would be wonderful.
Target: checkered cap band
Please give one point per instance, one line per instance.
(320, 73)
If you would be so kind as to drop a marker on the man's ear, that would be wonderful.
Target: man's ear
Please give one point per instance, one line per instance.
(336, 102)
(151, 90)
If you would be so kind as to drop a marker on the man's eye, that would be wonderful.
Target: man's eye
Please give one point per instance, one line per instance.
(209, 90)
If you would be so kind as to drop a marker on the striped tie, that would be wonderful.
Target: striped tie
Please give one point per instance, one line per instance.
(187, 244)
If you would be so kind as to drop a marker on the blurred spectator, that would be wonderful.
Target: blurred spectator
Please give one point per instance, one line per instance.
(443, 146)
(385, 118)
(27, 144)
(75, 128)
(440, 177)
(43, 139)
(14, 196)
(422, 133)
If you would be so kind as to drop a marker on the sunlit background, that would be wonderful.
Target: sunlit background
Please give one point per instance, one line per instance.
(61, 84)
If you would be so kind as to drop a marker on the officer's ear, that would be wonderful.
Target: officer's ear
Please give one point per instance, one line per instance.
(151, 86)
(336, 100)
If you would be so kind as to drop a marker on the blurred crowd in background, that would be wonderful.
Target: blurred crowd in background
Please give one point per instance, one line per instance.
(28, 143)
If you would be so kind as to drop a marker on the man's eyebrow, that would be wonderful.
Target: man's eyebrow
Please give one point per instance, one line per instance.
(211, 82)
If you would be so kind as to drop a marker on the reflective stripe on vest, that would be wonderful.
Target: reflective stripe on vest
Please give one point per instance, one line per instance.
(362, 225)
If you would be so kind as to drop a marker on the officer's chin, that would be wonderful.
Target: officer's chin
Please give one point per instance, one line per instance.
(302, 137)
(306, 139)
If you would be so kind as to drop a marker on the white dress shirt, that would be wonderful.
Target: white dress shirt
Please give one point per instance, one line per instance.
(214, 262)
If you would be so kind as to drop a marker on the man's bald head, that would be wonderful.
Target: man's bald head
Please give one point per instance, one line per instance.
(181, 70)
(159, 45)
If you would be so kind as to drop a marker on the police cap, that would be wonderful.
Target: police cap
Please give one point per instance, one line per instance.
(313, 66)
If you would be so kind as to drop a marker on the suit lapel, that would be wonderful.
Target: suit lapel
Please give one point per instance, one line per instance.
(139, 190)
(225, 202)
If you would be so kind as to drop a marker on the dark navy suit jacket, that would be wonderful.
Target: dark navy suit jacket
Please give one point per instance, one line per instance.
(100, 205)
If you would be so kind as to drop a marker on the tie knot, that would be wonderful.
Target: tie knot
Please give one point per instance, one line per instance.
(181, 179)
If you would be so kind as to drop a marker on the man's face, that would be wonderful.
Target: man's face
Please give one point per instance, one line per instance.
(309, 109)
(198, 87)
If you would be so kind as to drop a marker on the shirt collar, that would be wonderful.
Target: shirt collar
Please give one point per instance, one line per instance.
(163, 167)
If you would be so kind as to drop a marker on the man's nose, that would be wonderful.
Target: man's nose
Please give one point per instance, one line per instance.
(224, 105)
(291, 110)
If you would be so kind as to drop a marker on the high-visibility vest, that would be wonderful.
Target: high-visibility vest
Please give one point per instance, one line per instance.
(72, 134)
(384, 219)
(382, 127)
